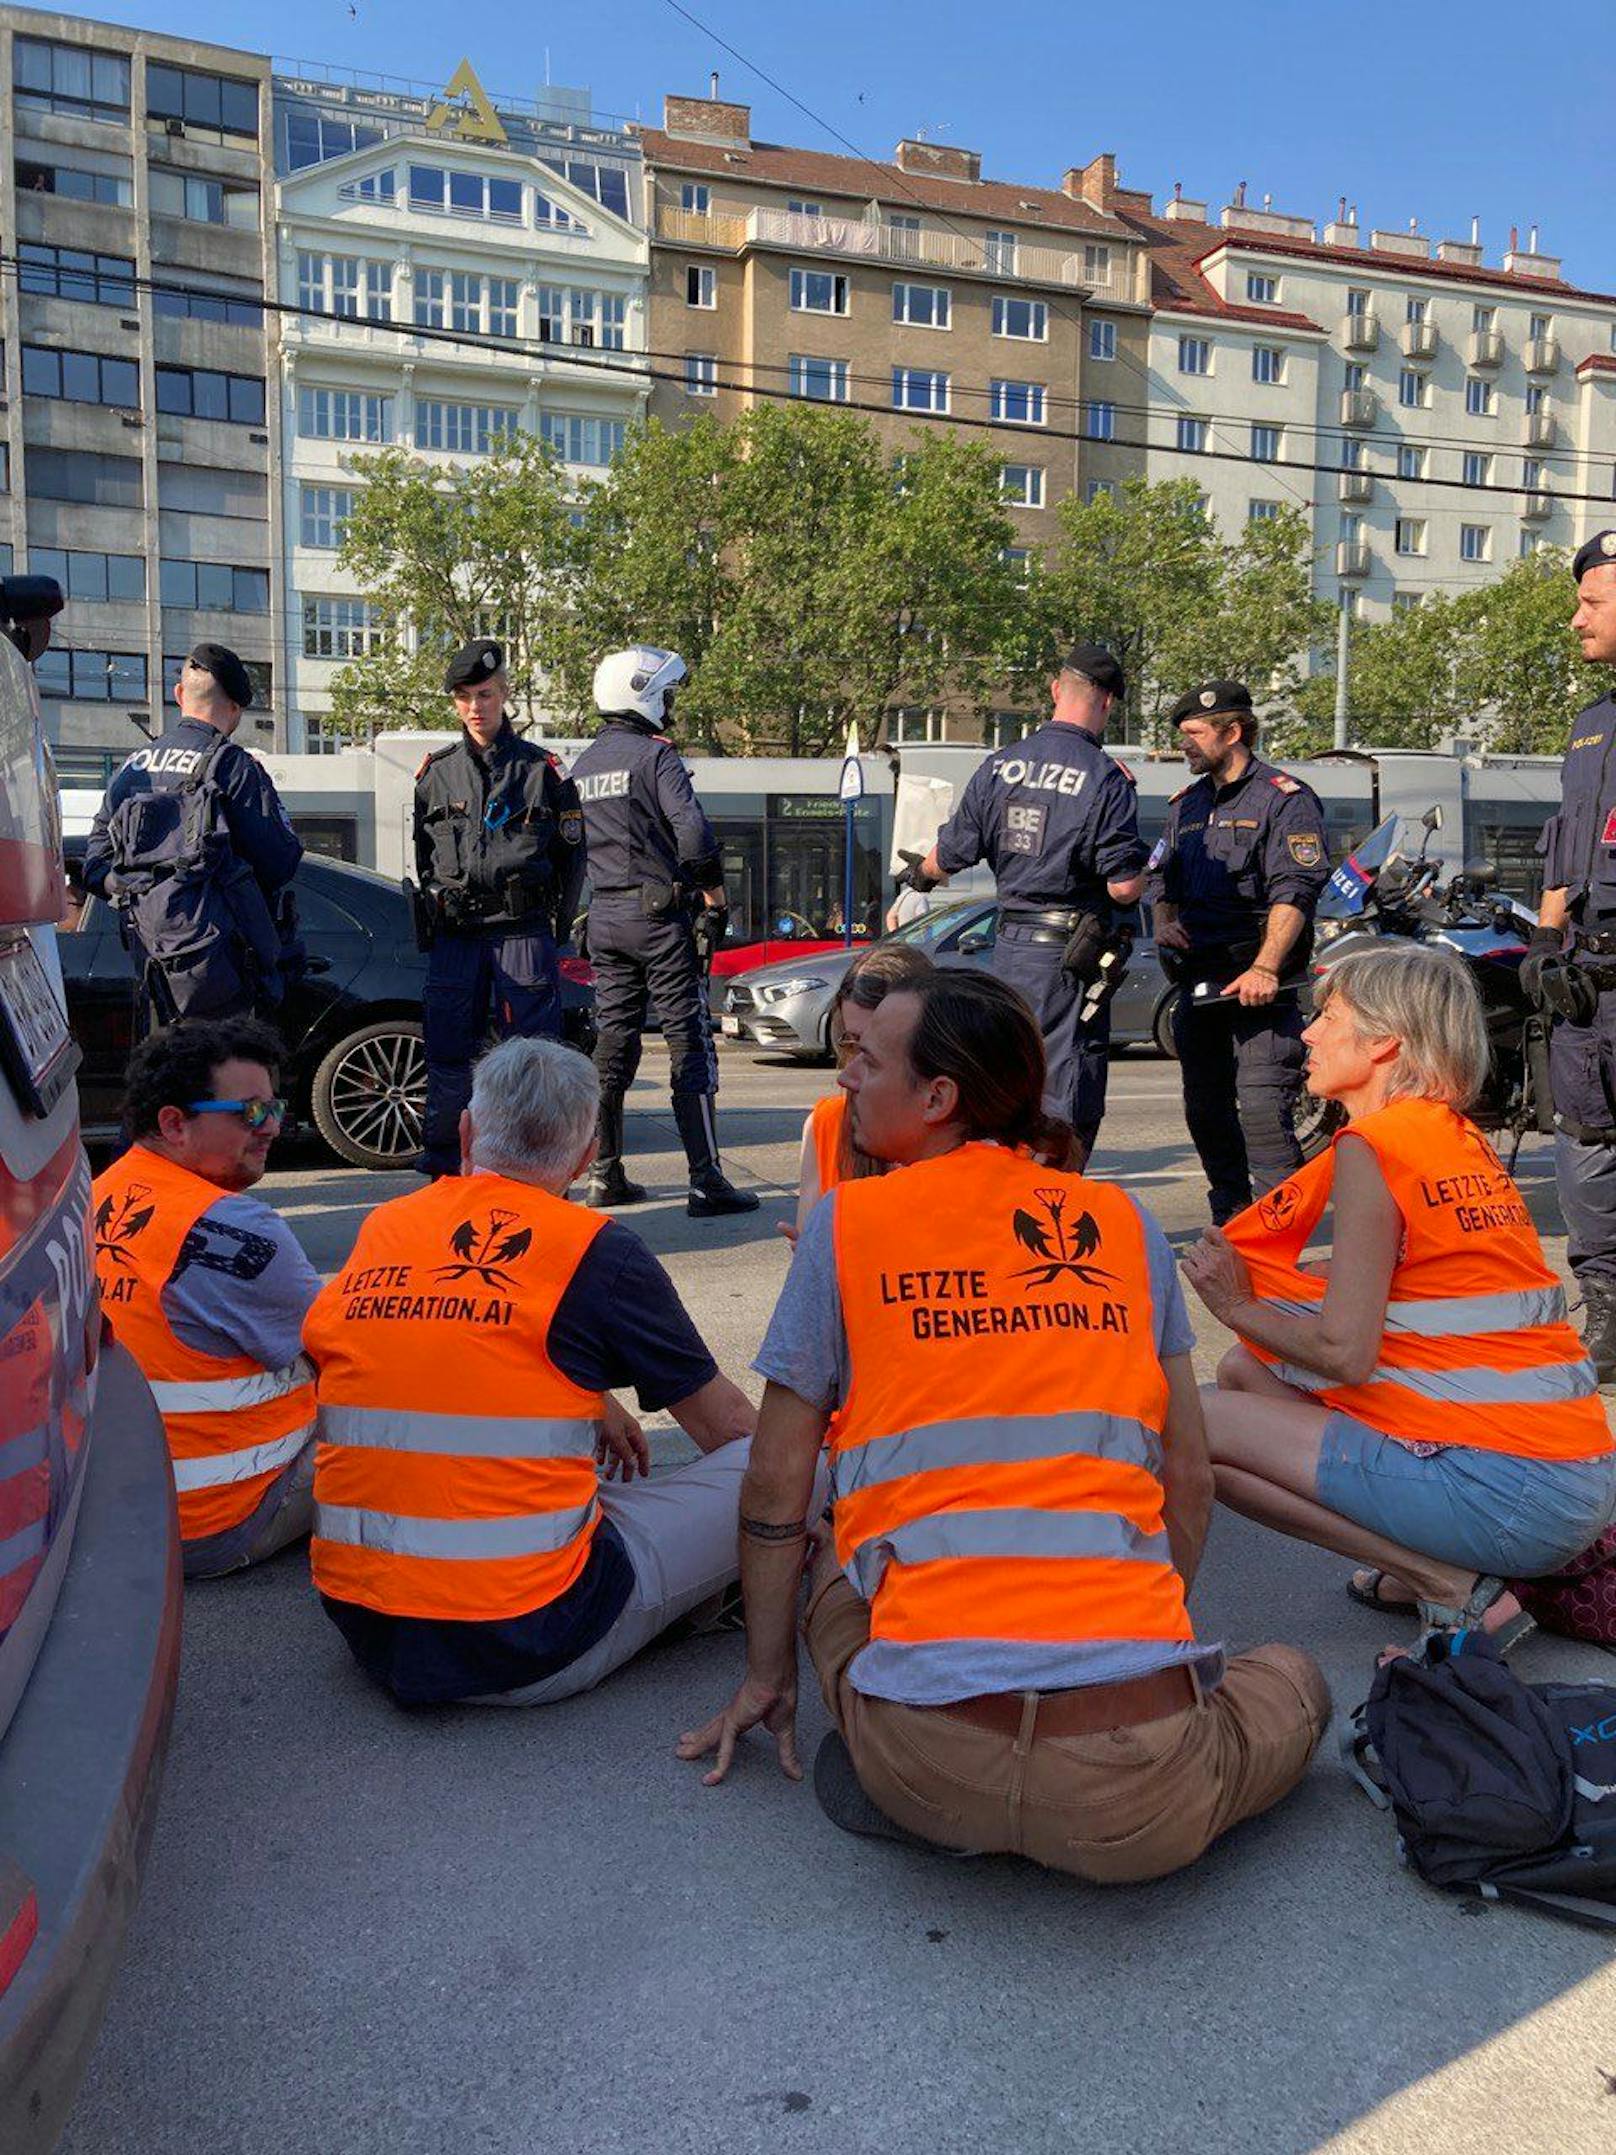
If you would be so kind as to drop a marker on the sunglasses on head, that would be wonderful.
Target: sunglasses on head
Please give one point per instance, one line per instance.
(255, 1114)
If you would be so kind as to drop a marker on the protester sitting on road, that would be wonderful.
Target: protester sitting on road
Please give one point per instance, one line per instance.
(999, 1354)
(1424, 1407)
(208, 1287)
(463, 1354)
(829, 1155)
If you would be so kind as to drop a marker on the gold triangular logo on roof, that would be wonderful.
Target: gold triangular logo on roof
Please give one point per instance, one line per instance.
(465, 109)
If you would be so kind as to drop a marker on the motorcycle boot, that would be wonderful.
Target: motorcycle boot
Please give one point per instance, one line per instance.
(711, 1193)
(608, 1184)
(1599, 1324)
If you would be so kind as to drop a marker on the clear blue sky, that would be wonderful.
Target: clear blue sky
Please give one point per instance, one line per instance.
(1441, 111)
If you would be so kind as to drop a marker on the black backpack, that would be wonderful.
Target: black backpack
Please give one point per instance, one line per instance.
(1505, 1788)
(191, 911)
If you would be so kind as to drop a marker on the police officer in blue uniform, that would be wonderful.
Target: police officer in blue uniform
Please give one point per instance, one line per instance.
(1577, 923)
(656, 883)
(1057, 821)
(1235, 878)
(499, 860)
(213, 690)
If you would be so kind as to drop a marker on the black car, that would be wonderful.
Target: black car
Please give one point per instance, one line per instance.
(356, 1069)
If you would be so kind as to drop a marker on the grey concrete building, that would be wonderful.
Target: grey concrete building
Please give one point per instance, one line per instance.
(137, 437)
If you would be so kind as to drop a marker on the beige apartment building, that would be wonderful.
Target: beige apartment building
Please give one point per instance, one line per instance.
(916, 292)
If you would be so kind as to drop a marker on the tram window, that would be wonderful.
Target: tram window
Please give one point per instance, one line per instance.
(1505, 834)
(1345, 823)
(806, 867)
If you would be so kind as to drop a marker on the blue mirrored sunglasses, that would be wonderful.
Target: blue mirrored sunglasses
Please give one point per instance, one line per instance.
(254, 1113)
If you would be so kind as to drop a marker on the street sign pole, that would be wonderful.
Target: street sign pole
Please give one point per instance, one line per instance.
(851, 792)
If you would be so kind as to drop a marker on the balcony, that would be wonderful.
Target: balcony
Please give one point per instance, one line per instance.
(1355, 486)
(1358, 407)
(1419, 340)
(961, 254)
(1537, 506)
(1538, 430)
(1360, 332)
(1542, 355)
(1485, 349)
(1352, 562)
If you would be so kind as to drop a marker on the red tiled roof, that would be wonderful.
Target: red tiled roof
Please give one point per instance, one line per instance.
(1598, 363)
(1178, 284)
(1394, 264)
(857, 179)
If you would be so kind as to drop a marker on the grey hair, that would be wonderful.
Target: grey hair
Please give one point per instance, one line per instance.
(533, 1110)
(1426, 999)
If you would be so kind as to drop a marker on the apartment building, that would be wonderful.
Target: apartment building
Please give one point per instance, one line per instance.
(455, 270)
(917, 292)
(137, 437)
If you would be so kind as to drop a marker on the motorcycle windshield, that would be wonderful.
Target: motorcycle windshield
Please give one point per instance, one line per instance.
(1347, 891)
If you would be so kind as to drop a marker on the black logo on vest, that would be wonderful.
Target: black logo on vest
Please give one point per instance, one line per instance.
(1062, 1249)
(117, 1225)
(482, 1249)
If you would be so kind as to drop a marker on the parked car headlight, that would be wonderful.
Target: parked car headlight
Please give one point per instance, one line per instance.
(780, 991)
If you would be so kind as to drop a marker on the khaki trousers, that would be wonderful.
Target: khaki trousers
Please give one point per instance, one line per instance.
(1112, 1807)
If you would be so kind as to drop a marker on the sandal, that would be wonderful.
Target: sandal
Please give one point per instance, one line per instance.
(1436, 1617)
(1371, 1597)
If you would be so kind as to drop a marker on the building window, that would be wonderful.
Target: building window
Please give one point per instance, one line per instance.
(1479, 399)
(1406, 602)
(463, 429)
(74, 184)
(1351, 528)
(919, 389)
(1261, 511)
(200, 393)
(1022, 403)
(209, 490)
(1096, 264)
(99, 577)
(824, 380)
(1413, 388)
(999, 254)
(1411, 535)
(81, 377)
(701, 286)
(1262, 288)
(796, 208)
(818, 291)
(1475, 542)
(1352, 453)
(92, 676)
(605, 184)
(312, 138)
(347, 284)
(1358, 301)
(1094, 488)
(696, 197)
(1018, 558)
(344, 415)
(200, 201)
(1025, 318)
(1532, 474)
(1414, 309)
(1022, 485)
(1194, 355)
(922, 306)
(71, 79)
(211, 101)
(444, 193)
(1100, 421)
(1541, 325)
(1483, 320)
(1191, 434)
(1530, 542)
(500, 295)
(1478, 468)
(1356, 377)
(1410, 461)
(379, 186)
(213, 587)
(214, 304)
(1102, 340)
(1537, 400)
(578, 440)
(106, 280)
(1265, 445)
(1267, 364)
(323, 513)
(431, 299)
(340, 628)
(701, 374)
(107, 482)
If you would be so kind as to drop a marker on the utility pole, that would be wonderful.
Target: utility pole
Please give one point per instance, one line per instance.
(1343, 655)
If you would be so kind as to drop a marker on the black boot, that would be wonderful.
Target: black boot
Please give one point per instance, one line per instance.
(710, 1193)
(1599, 1323)
(608, 1185)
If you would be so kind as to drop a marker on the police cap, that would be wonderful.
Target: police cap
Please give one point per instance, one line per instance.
(1213, 699)
(1096, 664)
(473, 664)
(227, 670)
(1599, 552)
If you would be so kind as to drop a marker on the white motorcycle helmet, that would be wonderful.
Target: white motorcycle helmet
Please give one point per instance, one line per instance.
(638, 683)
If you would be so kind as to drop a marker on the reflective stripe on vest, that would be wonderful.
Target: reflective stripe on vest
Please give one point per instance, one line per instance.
(1007, 1531)
(1470, 1387)
(1012, 1438)
(223, 1395)
(454, 1540)
(220, 1470)
(1458, 1316)
(458, 1436)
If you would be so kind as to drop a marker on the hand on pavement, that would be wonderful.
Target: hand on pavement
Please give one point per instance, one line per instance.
(775, 1707)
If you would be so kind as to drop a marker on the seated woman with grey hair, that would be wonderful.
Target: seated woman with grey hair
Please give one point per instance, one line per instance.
(1419, 1401)
(463, 1544)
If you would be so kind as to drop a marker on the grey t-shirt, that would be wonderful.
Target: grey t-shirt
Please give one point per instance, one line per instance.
(805, 1349)
(241, 1284)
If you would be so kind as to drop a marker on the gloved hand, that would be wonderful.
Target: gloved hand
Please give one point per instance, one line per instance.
(1543, 950)
(914, 876)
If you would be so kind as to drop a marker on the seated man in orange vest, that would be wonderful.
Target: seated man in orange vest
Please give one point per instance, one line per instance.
(208, 1288)
(463, 1543)
(999, 1354)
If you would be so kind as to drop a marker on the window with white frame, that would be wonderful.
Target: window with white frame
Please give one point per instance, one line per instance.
(323, 512)
(1480, 398)
(922, 306)
(1191, 434)
(1096, 263)
(463, 429)
(340, 628)
(443, 192)
(1483, 320)
(701, 374)
(696, 197)
(1532, 474)
(1410, 535)
(1413, 389)
(581, 440)
(1268, 363)
(1265, 445)
(999, 254)
(596, 318)
(1356, 377)
(430, 305)
(1537, 400)
(1022, 403)
(203, 201)
(1195, 355)
(818, 291)
(1260, 510)
(1477, 468)
(798, 208)
(1414, 308)
(1406, 602)
(1475, 542)
(1102, 340)
(919, 389)
(1358, 301)
(1024, 318)
(823, 380)
(1351, 528)
(1095, 488)
(1352, 453)
(1531, 542)
(344, 415)
(701, 285)
(1262, 288)
(347, 284)
(1541, 325)
(1410, 461)
(1022, 485)
(1100, 421)
(1018, 558)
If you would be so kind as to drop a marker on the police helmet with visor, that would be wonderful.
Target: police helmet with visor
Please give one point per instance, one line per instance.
(639, 683)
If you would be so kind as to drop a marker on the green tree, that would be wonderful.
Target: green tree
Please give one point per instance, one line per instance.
(1402, 686)
(1519, 666)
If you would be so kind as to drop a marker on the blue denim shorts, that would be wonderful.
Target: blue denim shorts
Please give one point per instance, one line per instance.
(1484, 1511)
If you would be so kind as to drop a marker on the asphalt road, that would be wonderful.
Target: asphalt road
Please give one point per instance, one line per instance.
(522, 1933)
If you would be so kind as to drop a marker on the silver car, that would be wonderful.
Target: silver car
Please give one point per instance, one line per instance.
(786, 1005)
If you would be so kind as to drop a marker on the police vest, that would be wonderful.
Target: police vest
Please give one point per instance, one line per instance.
(232, 1425)
(455, 1474)
(997, 1461)
(1477, 1349)
(827, 1120)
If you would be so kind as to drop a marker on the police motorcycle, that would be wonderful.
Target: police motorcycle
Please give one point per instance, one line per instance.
(1380, 891)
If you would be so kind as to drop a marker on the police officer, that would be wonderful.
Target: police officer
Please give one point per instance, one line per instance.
(1057, 821)
(1236, 875)
(652, 857)
(499, 858)
(1578, 918)
(213, 690)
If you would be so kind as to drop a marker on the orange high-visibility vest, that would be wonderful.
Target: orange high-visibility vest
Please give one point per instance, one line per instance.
(997, 1462)
(455, 1475)
(826, 1121)
(1477, 1349)
(233, 1426)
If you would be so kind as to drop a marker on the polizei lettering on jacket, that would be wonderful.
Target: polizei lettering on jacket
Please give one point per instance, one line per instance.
(961, 1303)
(184, 760)
(1041, 777)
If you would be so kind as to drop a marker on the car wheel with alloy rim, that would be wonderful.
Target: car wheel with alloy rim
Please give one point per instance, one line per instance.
(369, 1094)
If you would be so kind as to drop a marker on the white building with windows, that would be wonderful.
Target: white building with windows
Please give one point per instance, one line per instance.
(460, 272)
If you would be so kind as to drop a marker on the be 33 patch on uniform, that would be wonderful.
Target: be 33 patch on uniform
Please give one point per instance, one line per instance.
(1305, 848)
(1024, 828)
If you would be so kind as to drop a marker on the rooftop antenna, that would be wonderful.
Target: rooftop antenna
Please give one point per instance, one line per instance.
(712, 84)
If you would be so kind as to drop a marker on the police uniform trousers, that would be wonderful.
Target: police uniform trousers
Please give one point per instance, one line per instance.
(496, 983)
(1582, 1080)
(1242, 1074)
(1075, 1049)
(648, 966)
